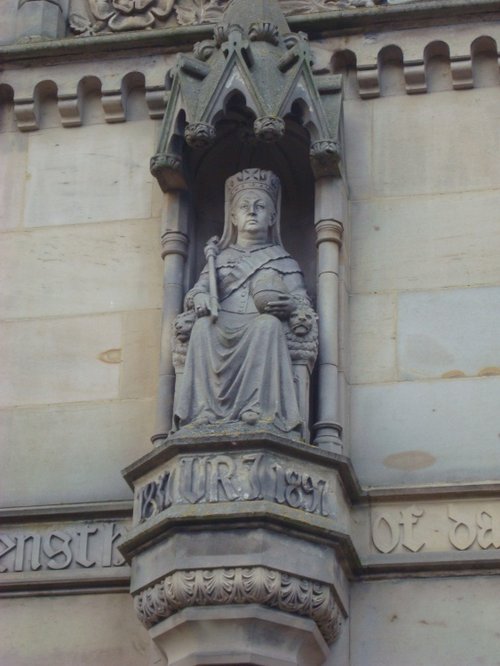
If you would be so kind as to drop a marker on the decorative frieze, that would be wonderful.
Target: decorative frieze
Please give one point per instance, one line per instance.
(255, 585)
(92, 17)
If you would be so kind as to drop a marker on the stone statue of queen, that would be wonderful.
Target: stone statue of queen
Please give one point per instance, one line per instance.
(246, 321)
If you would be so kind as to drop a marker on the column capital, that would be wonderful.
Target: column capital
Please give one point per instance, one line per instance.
(174, 242)
(330, 231)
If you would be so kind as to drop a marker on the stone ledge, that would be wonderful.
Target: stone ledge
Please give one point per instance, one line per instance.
(224, 515)
(339, 21)
(169, 448)
(83, 510)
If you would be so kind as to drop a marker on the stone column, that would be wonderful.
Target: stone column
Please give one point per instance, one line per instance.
(174, 242)
(41, 19)
(329, 214)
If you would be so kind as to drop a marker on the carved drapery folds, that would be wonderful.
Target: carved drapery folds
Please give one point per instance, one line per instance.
(255, 585)
(252, 55)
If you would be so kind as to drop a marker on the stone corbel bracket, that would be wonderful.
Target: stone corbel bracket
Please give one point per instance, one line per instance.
(238, 523)
(238, 585)
(71, 92)
(420, 65)
(254, 58)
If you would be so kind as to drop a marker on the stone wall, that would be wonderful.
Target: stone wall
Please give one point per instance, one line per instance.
(425, 296)
(81, 314)
(80, 318)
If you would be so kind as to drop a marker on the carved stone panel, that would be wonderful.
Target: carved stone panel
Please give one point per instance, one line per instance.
(237, 477)
(90, 17)
(450, 526)
(427, 532)
(85, 552)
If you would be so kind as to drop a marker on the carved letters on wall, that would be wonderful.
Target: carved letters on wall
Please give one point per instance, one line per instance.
(89, 545)
(436, 528)
(91, 17)
(224, 478)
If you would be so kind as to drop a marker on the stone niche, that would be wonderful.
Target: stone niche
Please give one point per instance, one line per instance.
(240, 549)
(237, 148)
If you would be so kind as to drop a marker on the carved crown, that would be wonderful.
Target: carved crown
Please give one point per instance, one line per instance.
(251, 179)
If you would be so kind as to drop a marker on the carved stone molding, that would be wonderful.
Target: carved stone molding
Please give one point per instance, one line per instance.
(269, 129)
(329, 231)
(325, 157)
(256, 585)
(90, 17)
(199, 135)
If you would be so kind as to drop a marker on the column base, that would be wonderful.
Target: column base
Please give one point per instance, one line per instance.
(328, 436)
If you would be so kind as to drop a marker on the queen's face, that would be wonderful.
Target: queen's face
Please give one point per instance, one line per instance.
(253, 212)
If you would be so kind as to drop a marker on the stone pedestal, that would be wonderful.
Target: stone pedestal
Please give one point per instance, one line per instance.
(249, 635)
(239, 549)
(41, 19)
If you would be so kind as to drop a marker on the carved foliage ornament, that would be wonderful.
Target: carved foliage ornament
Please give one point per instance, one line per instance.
(91, 17)
(256, 585)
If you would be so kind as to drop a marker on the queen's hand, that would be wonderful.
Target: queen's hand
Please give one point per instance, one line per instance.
(201, 303)
(282, 307)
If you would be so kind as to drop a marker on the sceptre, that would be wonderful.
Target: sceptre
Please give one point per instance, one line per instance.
(211, 251)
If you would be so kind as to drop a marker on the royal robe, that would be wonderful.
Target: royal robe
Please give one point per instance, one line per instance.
(241, 362)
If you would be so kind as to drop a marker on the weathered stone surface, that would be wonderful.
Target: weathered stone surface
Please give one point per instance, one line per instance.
(452, 333)
(8, 23)
(239, 635)
(358, 119)
(450, 149)
(39, 19)
(12, 180)
(77, 270)
(372, 328)
(101, 178)
(425, 432)
(425, 242)
(87, 629)
(61, 360)
(448, 621)
(88, 441)
(141, 346)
